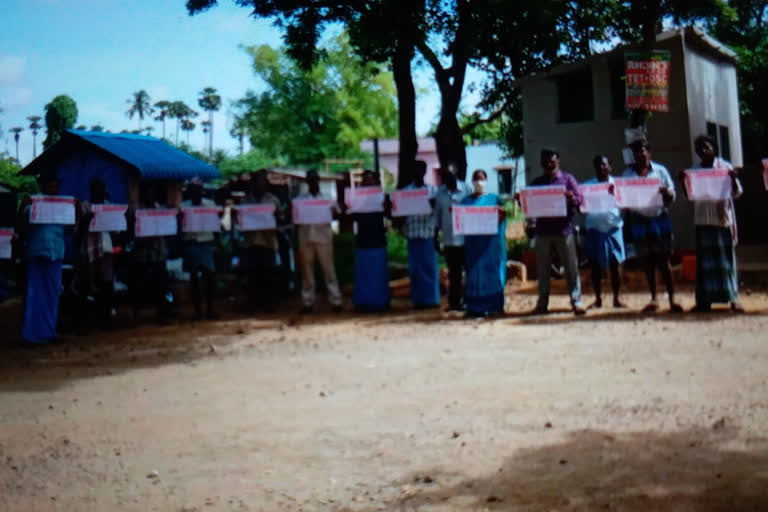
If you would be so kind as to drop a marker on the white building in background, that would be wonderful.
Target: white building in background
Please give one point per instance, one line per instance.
(579, 109)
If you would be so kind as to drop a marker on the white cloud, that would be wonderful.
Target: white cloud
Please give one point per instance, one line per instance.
(11, 97)
(11, 70)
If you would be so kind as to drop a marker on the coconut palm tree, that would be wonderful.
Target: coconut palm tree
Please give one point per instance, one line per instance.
(34, 125)
(163, 108)
(140, 105)
(206, 130)
(16, 130)
(210, 102)
(179, 110)
(187, 126)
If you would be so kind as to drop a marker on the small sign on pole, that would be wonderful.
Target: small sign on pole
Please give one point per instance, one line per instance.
(647, 80)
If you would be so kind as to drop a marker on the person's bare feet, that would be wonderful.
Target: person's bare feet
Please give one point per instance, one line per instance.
(596, 305)
(618, 303)
(651, 307)
(736, 307)
(674, 307)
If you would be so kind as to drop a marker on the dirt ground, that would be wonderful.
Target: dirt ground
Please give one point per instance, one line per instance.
(402, 411)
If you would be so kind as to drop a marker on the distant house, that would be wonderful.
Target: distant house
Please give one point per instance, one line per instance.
(579, 108)
(121, 161)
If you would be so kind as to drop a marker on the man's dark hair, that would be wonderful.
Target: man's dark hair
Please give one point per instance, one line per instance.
(420, 167)
(547, 153)
(699, 142)
(598, 160)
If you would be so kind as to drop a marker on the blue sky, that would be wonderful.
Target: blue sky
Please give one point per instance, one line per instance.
(100, 51)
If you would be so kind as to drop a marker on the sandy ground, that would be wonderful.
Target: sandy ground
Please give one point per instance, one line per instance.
(404, 411)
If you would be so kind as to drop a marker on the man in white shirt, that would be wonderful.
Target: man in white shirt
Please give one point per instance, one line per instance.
(316, 242)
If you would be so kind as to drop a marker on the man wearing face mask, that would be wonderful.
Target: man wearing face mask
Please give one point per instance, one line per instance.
(556, 234)
(450, 193)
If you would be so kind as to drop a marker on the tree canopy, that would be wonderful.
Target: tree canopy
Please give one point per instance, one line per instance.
(60, 115)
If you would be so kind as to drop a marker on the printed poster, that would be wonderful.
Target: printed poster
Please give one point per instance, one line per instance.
(638, 193)
(364, 199)
(201, 219)
(256, 217)
(6, 235)
(52, 210)
(597, 198)
(545, 201)
(156, 222)
(312, 211)
(475, 220)
(108, 217)
(647, 80)
(406, 203)
(708, 184)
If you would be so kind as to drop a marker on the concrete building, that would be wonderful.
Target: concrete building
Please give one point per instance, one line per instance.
(579, 108)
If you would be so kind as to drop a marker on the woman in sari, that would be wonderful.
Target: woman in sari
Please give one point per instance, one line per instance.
(486, 257)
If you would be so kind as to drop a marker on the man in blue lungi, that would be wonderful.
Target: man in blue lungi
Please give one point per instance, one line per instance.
(422, 256)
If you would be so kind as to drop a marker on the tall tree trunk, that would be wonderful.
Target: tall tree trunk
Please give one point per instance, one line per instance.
(240, 138)
(210, 135)
(639, 118)
(406, 110)
(34, 145)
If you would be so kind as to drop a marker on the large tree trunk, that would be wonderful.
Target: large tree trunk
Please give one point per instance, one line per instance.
(406, 100)
(639, 118)
(450, 142)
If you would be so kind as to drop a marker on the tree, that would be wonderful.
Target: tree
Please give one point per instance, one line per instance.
(238, 132)
(305, 116)
(60, 115)
(163, 108)
(97, 128)
(16, 130)
(81, 127)
(187, 126)
(34, 125)
(210, 102)
(147, 130)
(179, 110)
(140, 105)
(9, 175)
(206, 129)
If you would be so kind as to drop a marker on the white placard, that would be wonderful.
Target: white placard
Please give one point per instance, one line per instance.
(406, 203)
(6, 235)
(475, 220)
(256, 217)
(638, 193)
(364, 199)
(708, 184)
(201, 219)
(597, 198)
(52, 210)
(765, 173)
(545, 201)
(312, 211)
(152, 222)
(108, 217)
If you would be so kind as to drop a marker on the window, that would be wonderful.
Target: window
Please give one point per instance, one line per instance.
(575, 100)
(722, 136)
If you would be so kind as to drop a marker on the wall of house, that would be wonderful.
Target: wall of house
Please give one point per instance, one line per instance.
(77, 169)
(713, 97)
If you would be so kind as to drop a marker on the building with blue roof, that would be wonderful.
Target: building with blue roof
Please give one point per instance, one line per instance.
(121, 161)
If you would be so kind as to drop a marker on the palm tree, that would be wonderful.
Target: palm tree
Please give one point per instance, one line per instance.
(210, 102)
(179, 110)
(34, 125)
(140, 104)
(97, 128)
(187, 126)
(207, 129)
(163, 108)
(16, 130)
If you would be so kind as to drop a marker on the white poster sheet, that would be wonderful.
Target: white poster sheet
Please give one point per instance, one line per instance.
(406, 203)
(545, 201)
(256, 217)
(52, 210)
(6, 235)
(638, 193)
(765, 173)
(364, 199)
(108, 217)
(312, 211)
(597, 198)
(152, 222)
(708, 184)
(475, 220)
(201, 219)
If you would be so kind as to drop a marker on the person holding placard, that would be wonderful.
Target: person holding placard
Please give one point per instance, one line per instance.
(371, 270)
(604, 241)
(198, 254)
(651, 227)
(716, 279)
(95, 263)
(556, 234)
(257, 257)
(149, 275)
(451, 192)
(44, 249)
(485, 256)
(422, 256)
(316, 243)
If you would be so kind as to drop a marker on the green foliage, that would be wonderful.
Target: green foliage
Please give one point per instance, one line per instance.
(249, 162)
(60, 115)
(140, 105)
(305, 116)
(209, 100)
(397, 247)
(9, 175)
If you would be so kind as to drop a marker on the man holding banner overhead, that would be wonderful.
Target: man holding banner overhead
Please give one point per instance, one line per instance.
(313, 214)
(713, 186)
(42, 222)
(551, 201)
(646, 190)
